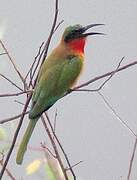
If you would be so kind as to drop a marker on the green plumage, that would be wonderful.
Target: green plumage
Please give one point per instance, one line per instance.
(53, 82)
(25, 140)
(57, 75)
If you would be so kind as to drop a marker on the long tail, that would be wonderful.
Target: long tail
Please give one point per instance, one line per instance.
(23, 146)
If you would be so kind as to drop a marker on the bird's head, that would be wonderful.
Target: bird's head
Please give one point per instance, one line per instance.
(75, 36)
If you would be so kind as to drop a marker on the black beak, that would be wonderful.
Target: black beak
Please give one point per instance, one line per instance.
(84, 29)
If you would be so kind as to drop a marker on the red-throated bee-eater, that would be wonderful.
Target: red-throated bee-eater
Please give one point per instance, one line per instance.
(57, 75)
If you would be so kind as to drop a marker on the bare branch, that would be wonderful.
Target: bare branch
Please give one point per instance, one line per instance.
(54, 147)
(132, 159)
(30, 69)
(103, 84)
(115, 113)
(7, 171)
(15, 137)
(104, 75)
(47, 149)
(43, 53)
(15, 94)
(11, 82)
(125, 124)
(12, 61)
(2, 54)
(58, 25)
(55, 121)
(51, 32)
(12, 118)
(61, 147)
(74, 165)
(21, 103)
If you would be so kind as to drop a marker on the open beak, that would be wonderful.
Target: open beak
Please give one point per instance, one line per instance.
(84, 29)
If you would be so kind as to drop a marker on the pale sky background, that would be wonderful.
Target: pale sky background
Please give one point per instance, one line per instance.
(86, 127)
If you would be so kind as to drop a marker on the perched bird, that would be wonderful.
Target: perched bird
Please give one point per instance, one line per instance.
(57, 75)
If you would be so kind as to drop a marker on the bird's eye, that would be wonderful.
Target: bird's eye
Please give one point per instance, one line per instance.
(80, 30)
(76, 31)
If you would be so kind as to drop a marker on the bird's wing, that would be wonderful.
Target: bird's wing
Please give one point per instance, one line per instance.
(53, 83)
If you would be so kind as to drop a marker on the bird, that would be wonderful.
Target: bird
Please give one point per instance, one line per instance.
(57, 75)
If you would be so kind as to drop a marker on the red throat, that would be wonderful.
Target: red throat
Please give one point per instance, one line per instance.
(78, 45)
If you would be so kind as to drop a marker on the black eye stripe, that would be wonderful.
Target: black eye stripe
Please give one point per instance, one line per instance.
(73, 34)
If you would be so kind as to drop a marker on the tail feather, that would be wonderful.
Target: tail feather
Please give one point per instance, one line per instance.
(23, 146)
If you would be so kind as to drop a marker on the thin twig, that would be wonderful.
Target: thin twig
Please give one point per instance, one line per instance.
(74, 165)
(2, 54)
(12, 61)
(104, 75)
(15, 137)
(43, 53)
(7, 171)
(12, 118)
(58, 25)
(3, 76)
(44, 147)
(15, 94)
(125, 124)
(32, 72)
(61, 147)
(103, 84)
(132, 159)
(35, 59)
(116, 114)
(55, 120)
(54, 147)
(51, 32)
(21, 103)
